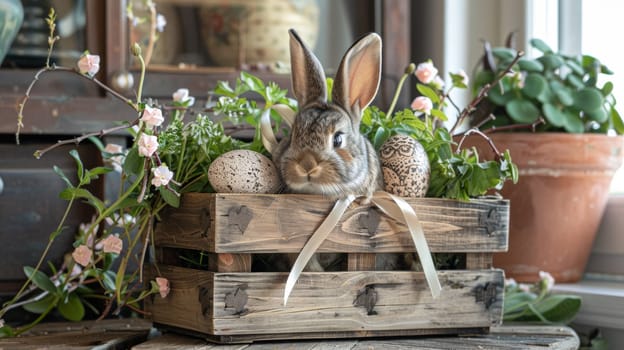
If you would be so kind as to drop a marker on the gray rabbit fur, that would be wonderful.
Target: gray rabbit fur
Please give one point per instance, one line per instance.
(325, 153)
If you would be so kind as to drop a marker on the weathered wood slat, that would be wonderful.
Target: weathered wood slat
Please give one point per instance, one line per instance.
(499, 338)
(105, 334)
(243, 223)
(251, 303)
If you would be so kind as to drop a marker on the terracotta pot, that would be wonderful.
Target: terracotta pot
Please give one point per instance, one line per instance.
(558, 202)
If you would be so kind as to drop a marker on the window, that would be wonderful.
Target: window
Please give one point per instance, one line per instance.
(600, 22)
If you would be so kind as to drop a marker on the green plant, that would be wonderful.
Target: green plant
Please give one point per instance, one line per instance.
(456, 173)
(536, 303)
(564, 90)
(162, 162)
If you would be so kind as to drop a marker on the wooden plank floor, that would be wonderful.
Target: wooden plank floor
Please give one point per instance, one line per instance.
(137, 334)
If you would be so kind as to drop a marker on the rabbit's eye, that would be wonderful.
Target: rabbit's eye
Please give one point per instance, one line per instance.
(338, 140)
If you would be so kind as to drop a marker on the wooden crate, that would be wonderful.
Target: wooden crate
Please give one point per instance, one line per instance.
(230, 303)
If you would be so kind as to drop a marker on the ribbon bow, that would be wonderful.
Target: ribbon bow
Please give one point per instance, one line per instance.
(391, 205)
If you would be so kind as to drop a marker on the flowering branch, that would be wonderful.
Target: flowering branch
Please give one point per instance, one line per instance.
(484, 92)
(22, 104)
(39, 153)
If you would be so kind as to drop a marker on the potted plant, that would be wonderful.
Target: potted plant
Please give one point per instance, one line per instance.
(561, 126)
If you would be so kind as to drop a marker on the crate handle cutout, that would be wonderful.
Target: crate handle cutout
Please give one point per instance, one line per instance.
(392, 206)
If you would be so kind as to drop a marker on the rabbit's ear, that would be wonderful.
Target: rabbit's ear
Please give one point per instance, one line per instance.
(308, 78)
(358, 76)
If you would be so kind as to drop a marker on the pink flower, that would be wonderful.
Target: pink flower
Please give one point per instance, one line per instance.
(162, 175)
(163, 286)
(464, 76)
(82, 255)
(112, 244)
(76, 271)
(524, 287)
(422, 104)
(547, 279)
(438, 82)
(182, 96)
(148, 144)
(152, 116)
(116, 158)
(426, 72)
(89, 64)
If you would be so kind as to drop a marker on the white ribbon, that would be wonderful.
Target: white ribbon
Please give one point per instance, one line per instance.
(398, 209)
(268, 137)
(315, 241)
(391, 205)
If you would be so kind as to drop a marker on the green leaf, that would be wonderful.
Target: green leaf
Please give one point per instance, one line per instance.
(42, 305)
(553, 115)
(522, 111)
(223, 88)
(559, 308)
(100, 170)
(70, 193)
(72, 308)
(134, 162)
(439, 114)
(108, 279)
(500, 94)
(575, 81)
(575, 67)
(40, 279)
(564, 94)
(170, 198)
(60, 173)
(534, 85)
(588, 99)
(504, 53)
(573, 123)
(551, 61)
(530, 65)
(607, 88)
(428, 92)
(458, 80)
(616, 121)
(79, 167)
(381, 135)
(540, 45)
(254, 83)
(599, 115)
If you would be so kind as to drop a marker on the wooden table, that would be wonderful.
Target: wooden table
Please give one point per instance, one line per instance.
(137, 334)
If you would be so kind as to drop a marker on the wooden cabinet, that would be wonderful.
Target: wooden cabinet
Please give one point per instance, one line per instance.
(64, 105)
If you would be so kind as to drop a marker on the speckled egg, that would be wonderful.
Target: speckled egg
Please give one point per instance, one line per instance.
(405, 166)
(243, 171)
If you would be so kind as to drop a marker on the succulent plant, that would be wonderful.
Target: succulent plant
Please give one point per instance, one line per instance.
(553, 92)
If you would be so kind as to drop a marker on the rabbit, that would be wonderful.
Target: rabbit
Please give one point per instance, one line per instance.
(325, 153)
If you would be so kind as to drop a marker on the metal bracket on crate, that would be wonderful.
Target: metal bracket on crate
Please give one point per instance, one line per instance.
(240, 216)
(237, 300)
(486, 294)
(491, 220)
(370, 220)
(367, 298)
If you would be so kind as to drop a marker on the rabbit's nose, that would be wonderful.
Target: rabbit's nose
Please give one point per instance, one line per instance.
(308, 164)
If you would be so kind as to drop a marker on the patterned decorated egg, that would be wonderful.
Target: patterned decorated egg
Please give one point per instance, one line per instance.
(243, 171)
(405, 166)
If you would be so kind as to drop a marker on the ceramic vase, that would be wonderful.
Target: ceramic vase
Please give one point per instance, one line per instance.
(11, 17)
